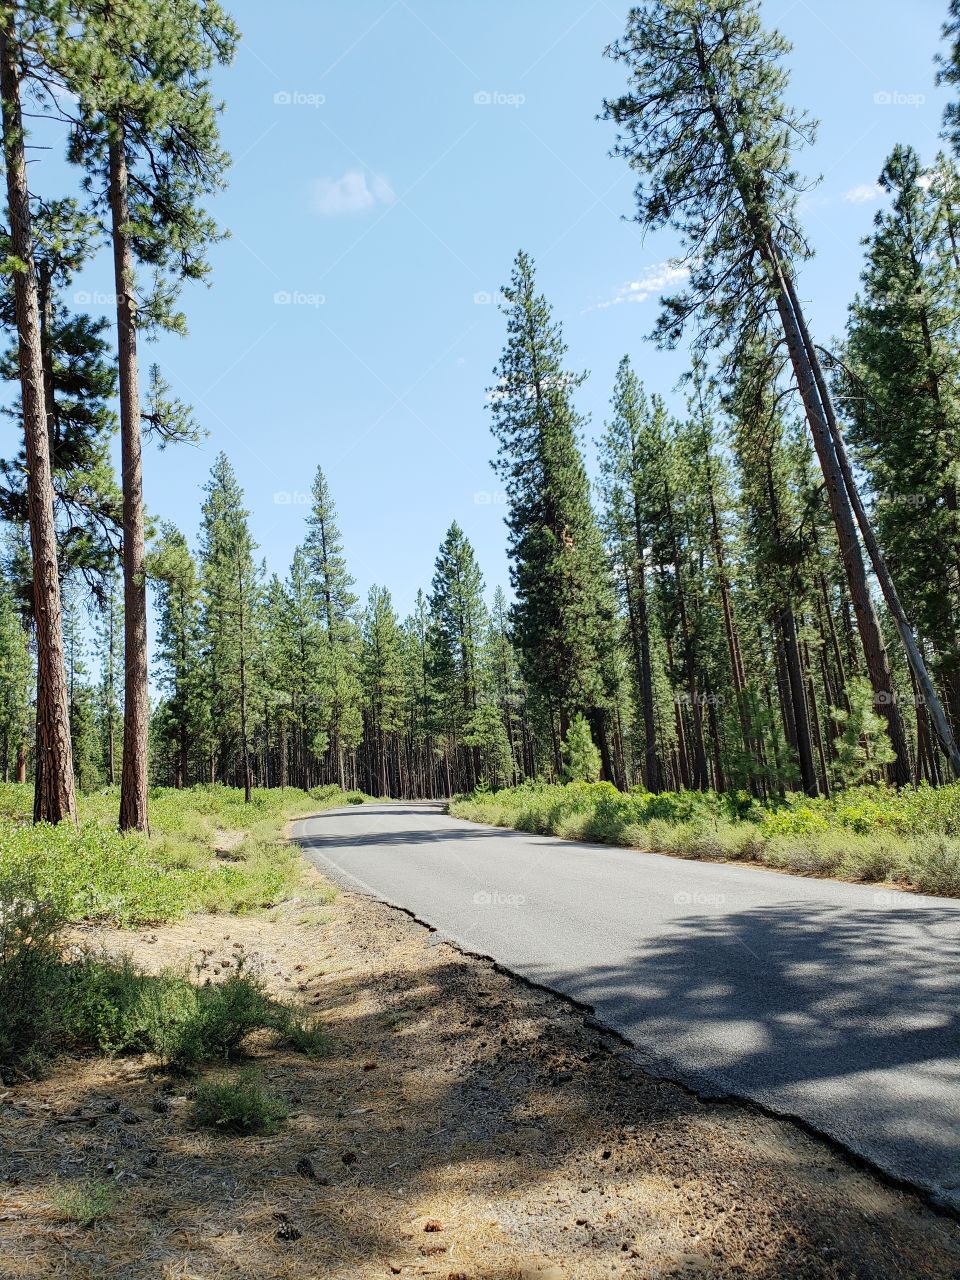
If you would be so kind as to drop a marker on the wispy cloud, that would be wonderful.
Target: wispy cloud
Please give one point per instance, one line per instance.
(864, 194)
(353, 193)
(651, 284)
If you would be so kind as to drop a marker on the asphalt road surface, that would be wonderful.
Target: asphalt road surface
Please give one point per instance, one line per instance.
(836, 1003)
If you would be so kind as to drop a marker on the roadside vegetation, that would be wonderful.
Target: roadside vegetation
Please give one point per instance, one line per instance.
(867, 833)
(208, 851)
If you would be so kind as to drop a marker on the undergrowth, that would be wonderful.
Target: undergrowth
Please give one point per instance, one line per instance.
(92, 872)
(870, 833)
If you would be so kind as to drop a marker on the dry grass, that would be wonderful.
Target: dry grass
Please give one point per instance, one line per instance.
(460, 1125)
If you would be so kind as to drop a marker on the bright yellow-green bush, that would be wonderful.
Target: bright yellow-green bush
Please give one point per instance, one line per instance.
(207, 850)
(869, 833)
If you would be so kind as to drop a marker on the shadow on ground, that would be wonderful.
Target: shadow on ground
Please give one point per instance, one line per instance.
(456, 1095)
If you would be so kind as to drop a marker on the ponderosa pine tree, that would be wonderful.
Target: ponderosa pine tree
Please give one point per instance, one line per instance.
(230, 613)
(323, 550)
(310, 677)
(948, 72)
(180, 671)
(146, 134)
(458, 620)
(16, 672)
(54, 790)
(705, 126)
(628, 459)
(901, 392)
(108, 633)
(79, 382)
(564, 616)
(383, 687)
(506, 687)
(779, 547)
(84, 735)
(713, 484)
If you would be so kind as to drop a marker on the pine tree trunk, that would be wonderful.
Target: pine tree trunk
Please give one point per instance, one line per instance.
(651, 762)
(841, 489)
(136, 701)
(815, 726)
(884, 578)
(54, 793)
(699, 777)
(729, 624)
(868, 624)
(798, 697)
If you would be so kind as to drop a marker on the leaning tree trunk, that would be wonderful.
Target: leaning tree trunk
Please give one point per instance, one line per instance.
(54, 793)
(839, 496)
(877, 558)
(136, 702)
(841, 488)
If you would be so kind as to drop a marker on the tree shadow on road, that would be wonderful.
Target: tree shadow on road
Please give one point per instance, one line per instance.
(454, 1095)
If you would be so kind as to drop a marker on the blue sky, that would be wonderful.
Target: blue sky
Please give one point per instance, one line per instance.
(390, 157)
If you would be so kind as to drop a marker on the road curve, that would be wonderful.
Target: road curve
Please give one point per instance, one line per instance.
(836, 1003)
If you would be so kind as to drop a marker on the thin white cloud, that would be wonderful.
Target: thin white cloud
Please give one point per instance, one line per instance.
(651, 284)
(353, 193)
(864, 194)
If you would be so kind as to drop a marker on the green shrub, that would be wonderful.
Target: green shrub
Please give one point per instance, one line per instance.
(106, 1005)
(302, 1032)
(211, 1024)
(116, 1008)
(92, 872)
(239, 1104)
(935, 866)
(31, 973)
(85, 1201)
(866, 833)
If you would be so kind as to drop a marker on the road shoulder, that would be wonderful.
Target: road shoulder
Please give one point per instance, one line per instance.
(462, 1124)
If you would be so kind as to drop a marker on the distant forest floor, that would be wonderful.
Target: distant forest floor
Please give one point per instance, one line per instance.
(459, 1125)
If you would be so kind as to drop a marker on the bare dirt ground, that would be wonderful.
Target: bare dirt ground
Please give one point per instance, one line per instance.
(461, 1126)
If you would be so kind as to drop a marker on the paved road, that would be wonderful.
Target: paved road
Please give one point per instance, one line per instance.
(833, 1002)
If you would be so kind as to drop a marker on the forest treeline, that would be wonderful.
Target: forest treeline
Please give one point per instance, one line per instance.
(759, 593)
